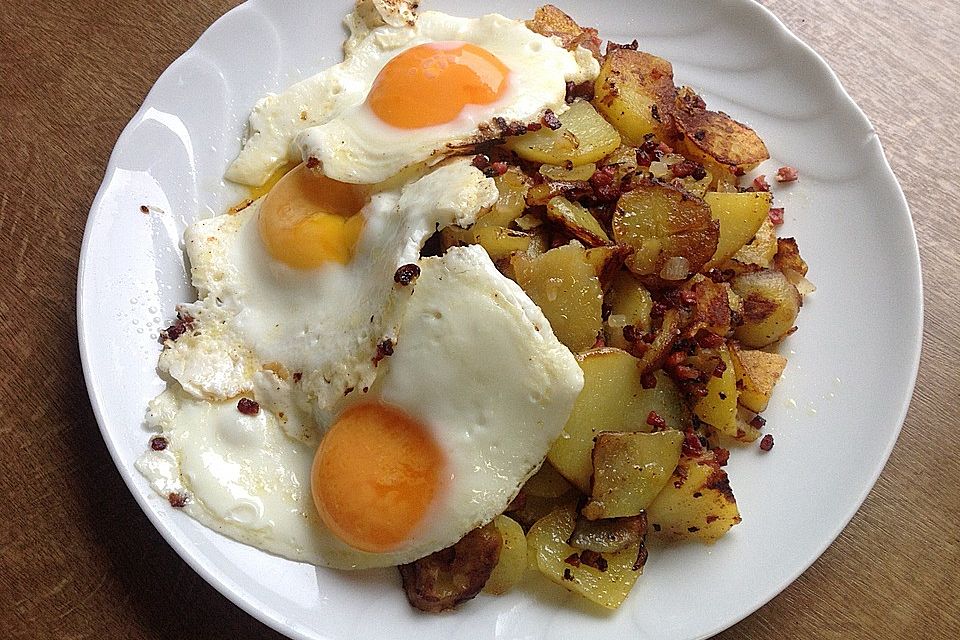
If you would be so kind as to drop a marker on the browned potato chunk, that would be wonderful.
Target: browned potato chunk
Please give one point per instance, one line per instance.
(606, 261)
(635, 92)
(612, 399)
(740, 216)
(629, 470)
(758, 372)
(630, 304)
(547, 483)
(585, 137)
(697, 501)
(450, 576)
(609, 534)
(576, 221)
(672, 232)
(761, 249)
(714, 138)
(580, 571)
(513, 188)
(563, 284)
(770, 307)
(719, 407)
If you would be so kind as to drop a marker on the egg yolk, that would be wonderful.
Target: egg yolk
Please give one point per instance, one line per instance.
(308, 219)
(430, 84)
(374, 476)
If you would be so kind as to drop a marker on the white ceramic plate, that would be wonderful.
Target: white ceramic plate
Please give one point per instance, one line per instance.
(836, 415)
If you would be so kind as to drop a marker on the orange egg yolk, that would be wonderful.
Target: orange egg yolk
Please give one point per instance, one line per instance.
(307, 219)
(430, 84)
(374, 476)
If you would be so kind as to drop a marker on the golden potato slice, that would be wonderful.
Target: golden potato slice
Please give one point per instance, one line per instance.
(512, 562)
(635, 92)
(714, 138)
(652, 359)
(770, 307)
(740, 216)
(584, 137)
(612, 399)
(696, 503)
(576, 221)
(761, 249)
(499, 242)
(580, 173)
(758, 373)
(630, 304)
(513, 187)
(547, 483)
(563, 284)
(562, 564)
(666, 227)
(719, 407)
(629, 470)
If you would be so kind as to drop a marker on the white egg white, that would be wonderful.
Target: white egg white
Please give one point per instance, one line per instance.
(324, 116)
(475, 361)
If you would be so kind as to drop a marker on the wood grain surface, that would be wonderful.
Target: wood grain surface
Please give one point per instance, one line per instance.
(78, 559)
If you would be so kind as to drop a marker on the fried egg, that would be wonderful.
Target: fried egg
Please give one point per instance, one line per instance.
(408, 91)
(459, 416)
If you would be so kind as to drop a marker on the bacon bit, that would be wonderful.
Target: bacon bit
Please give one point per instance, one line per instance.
(656, 527)
(144, 209)
(692, 447)
(495, 169)
(664, 149)
(593, 559)
(687, 297)
(534, 126)
(787, 174)
(766, 442)
(675, 359)
(551, 120)
(657, 310)
(480, 161)
(656, 421)
(648, 338)
(384, 349)
(158, 443)
(313, 163)
(297, 376)
(648, 380)
(183, 324)
(708, 339)
(686, 372)
(758, 422)
(573, 559)
(248, 407)
(177, 500)
(721, 455)
(719, 369)
(760, 184)
(406, 274)
(599, 343)
(567, 575)
(776, 215)
(686, 168)
(630, 333)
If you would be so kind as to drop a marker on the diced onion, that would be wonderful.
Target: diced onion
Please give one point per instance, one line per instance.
(675, 268)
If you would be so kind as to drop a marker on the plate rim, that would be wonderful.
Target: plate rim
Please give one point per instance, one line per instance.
(236, 593)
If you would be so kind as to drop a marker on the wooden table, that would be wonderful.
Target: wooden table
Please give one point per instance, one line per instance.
(79, 559)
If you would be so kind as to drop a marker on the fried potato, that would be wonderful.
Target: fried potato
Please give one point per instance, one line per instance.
(512, 562)
(607, 583)
(584, 137)
(719, 407)
(576, 221)
(761, 249)
(757, 373)
(629, 470)
(499, 243)
(635, 92)
(664, 224)
(612, 399)
(630, 304)
(609, 534)
(550, 21)
(715, 139)
(697, 502)
(607, 261)
(770, 307)
(565, 287)
(740, 216)
(513, 187)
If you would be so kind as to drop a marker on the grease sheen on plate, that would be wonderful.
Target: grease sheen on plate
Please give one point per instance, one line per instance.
(832, 397)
